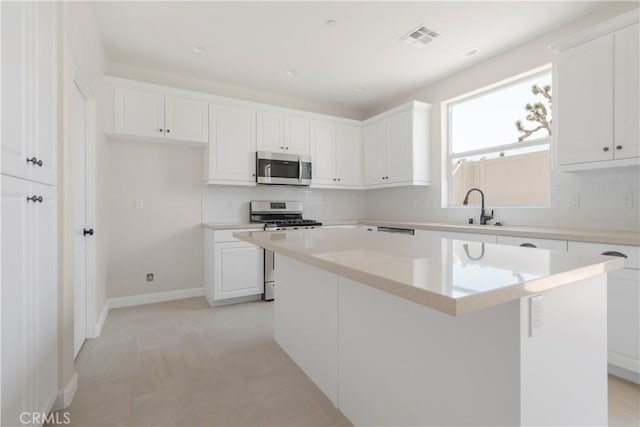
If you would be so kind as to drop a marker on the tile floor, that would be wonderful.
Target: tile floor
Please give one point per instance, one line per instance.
(182, 363)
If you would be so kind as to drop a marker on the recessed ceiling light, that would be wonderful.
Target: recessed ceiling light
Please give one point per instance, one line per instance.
(470, 52)
(331, 23)
(359, 89)
(198, 49)
(291, 72)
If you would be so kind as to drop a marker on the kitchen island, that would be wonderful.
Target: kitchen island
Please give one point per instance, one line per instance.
(402, 330)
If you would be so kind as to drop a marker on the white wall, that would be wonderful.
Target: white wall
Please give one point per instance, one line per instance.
(600, 192)
(231, 204)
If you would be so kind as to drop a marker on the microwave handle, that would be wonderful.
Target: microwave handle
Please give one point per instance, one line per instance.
(299, 169)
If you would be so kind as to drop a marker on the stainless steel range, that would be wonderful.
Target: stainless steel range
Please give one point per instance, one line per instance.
(277, 215)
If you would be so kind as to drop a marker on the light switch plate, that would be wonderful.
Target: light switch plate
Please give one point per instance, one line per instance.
(627, 201)
(535, 315)
(139, 203)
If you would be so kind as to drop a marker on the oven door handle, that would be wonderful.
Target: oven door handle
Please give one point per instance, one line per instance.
(299, 169)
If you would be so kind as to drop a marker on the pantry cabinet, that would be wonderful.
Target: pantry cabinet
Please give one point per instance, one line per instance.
(29, 91)
(152, 114)
(336, 153)
(597, 80)
(396, 147)
(280, 132)
(231, 153)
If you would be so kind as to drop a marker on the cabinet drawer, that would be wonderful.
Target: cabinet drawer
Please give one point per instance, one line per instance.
(556, 245)
(227, 235)
(486, 238)
(632, 253)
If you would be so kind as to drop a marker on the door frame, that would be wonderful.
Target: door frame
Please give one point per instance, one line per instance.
(90, 199)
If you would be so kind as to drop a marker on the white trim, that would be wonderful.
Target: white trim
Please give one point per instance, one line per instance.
(607, 164)
(604, 28)
(133, 300)
(411, 105)
(65, 395)
(97, 327)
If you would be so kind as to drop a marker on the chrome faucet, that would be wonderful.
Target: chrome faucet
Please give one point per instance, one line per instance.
(483, 215)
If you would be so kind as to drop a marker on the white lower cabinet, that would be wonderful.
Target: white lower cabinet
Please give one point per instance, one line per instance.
(623, 307)
(555, 245)
(28, 298)
(233, 268)
(486, 238)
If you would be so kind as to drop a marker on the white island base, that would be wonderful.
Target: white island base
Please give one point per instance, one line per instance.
(384, 360)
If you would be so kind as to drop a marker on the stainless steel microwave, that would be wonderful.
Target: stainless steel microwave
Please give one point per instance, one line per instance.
(282, 169)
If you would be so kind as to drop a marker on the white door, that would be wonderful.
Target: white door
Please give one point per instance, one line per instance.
(15, 149)
(232, 145)
(186, 119)
(349, 155)
(270, 131)
(323, 154)
(239, 270)
(296, 135)
(79, 220)
(375, 153)
(15, 294)
(585, 102)
(399, 147)
(138, 113)
(44, 140)
(627, 88)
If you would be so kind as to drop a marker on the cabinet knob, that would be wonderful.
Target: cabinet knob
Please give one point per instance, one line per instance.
(89, 232)
(338, 179)
(34, 199)
(605, 148)
(528, 245)
(286, 148)
(34, 161)
(159, 130)
(618, 147)
(168, 130)
(282, 147)
(334, 179)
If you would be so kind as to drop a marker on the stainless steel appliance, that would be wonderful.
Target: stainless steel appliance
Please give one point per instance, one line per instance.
(282, 169)
(277, 215)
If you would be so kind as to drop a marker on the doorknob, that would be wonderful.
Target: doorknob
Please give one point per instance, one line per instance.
(89, 232)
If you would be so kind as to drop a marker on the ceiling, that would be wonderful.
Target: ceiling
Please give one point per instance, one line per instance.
(252, 44)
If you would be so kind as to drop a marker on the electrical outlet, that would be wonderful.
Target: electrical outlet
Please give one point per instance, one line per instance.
(139, 203)
(574, 201)
(535, 315)
(627, 201)
(149, 277)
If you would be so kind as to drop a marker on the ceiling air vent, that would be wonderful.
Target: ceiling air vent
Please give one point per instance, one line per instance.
(420, 37)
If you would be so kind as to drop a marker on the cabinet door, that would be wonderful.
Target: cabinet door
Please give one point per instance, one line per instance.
(45, 138)
(323, 153)
(349, 155)
(375, 153)
(627, 88)
(238, 270)
(270, 131)
(585, 102)
(186, 119)
(15, 296)
(138, 113)
(296, 135)
(232, 144)
(399, 147)
(623, 319)
(44, 285)
(15, 76)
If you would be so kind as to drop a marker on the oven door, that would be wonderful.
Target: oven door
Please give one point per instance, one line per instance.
(283, 169)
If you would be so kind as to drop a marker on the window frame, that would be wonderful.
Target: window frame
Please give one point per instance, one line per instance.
(449, 156)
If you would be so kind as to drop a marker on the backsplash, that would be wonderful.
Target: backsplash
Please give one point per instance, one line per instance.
(231, 203)
(600, 197)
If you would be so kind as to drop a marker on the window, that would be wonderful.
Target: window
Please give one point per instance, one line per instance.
(498, 140)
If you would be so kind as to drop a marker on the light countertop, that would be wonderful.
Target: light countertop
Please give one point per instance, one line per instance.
(451, 276)
(618, 237)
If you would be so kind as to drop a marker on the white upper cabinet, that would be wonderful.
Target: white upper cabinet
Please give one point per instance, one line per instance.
(186, 119)
(286, 133)
(152, 114)
(627, 89)
(396, 147)
(231, 153)
(138, 113)
(336, 153)
(597, 85)
(29, 91)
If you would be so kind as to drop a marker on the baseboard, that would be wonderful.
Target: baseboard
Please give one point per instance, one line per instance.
(65, 396)
(154, 297)
(238, 300)
(624, 367)
(97, 328)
